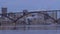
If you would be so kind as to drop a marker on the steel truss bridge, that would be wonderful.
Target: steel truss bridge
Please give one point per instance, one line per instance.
(24, 14)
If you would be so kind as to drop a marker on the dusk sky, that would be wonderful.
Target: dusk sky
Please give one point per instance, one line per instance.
(19, 5)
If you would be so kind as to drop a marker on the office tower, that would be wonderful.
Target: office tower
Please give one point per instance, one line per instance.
(4, 11)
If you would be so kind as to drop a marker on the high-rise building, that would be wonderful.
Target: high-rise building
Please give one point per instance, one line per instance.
(4, 11)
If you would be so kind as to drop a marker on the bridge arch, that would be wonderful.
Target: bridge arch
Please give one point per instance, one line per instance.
(28, 14)
(35, 12)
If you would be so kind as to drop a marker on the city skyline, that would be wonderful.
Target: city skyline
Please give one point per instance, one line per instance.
(4, 10)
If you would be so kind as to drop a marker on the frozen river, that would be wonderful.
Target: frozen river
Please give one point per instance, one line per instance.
(54, 29)
(30, 32)
(31, 27)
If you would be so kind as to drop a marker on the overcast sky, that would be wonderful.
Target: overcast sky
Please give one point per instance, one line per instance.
(19, 5)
